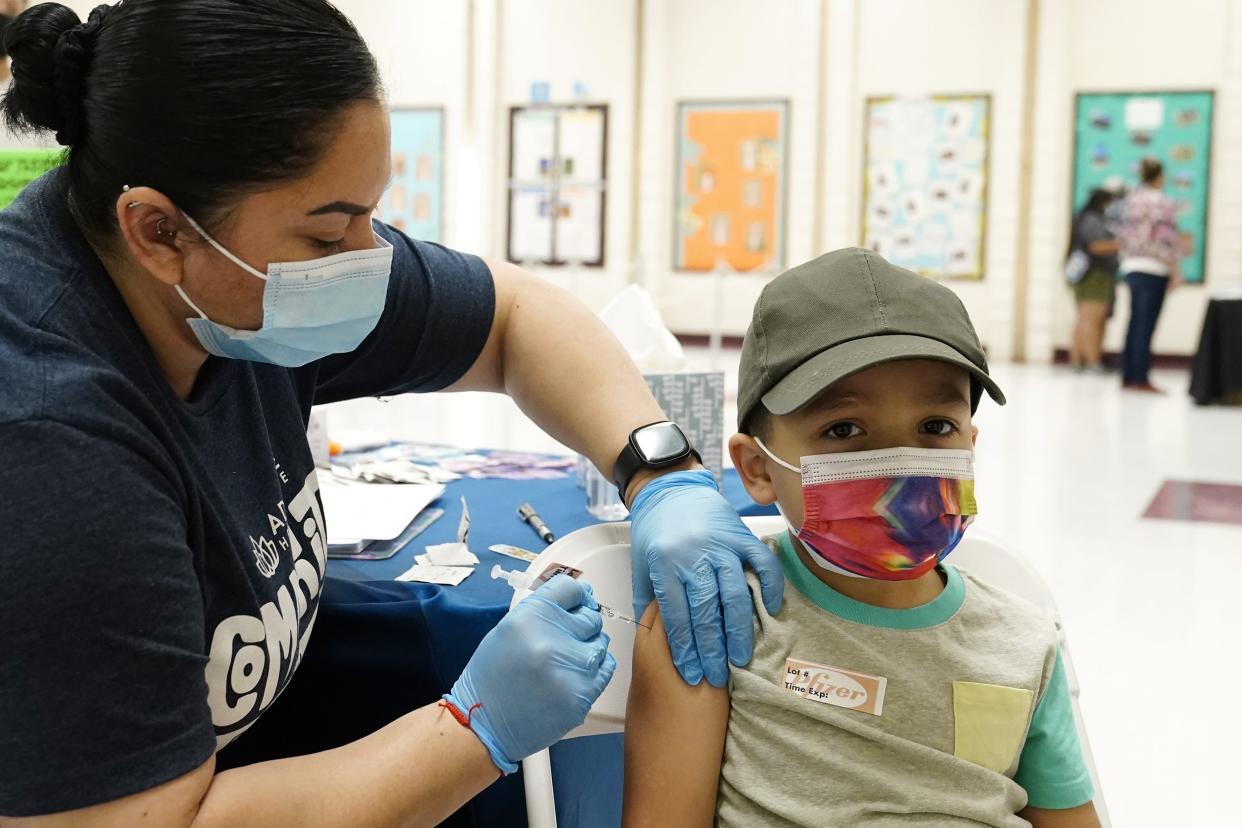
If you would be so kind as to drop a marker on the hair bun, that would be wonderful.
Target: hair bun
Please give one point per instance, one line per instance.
(51, 52)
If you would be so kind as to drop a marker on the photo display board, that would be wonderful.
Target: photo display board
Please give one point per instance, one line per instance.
(1115, 131)
(414, 202)
(731, 185)
(925, 183)
(557, 183)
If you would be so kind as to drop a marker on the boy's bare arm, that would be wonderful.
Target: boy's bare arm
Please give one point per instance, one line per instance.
(1083, 816)
(674, 738)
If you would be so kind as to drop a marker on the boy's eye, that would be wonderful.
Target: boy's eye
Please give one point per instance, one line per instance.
(939, 428)
(842, 431)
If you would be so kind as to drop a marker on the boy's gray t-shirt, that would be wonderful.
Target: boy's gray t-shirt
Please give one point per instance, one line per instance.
(853, 715)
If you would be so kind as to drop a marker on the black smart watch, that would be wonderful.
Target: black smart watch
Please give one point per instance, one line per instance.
(653, 446)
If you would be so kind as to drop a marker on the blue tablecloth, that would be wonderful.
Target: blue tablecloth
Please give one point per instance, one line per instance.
(381, 648)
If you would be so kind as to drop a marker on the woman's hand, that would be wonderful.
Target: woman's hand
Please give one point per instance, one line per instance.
(535, 676)
(687, 550)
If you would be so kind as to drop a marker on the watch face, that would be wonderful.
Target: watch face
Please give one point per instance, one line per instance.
(660, 442)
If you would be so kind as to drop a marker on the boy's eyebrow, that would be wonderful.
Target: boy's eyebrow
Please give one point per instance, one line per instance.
(946, 394)
(831, 401)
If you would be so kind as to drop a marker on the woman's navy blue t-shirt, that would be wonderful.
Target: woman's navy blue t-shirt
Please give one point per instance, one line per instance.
(161, 559)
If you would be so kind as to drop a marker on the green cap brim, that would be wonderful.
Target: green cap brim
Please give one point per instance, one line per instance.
(808, 380)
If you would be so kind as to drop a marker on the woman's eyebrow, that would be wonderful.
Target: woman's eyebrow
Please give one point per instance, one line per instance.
(346, 207)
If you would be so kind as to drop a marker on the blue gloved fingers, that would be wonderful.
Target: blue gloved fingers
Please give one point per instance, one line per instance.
(738, 612)
(768, 567)
(583, 623)
(640, 583)
(703, 595)
(566, 593)
(606, 671)
(596, 653)
(675, 613)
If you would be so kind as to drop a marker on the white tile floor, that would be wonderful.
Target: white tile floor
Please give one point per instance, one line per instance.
(1153, 608)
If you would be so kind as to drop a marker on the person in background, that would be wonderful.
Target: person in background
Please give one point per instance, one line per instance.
(1095, 292)
(1151, 249)
(8, 10)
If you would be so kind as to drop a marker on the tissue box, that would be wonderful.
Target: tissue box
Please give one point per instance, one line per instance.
(695, 401)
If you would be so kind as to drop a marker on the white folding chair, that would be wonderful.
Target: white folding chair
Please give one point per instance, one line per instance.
(602, 552)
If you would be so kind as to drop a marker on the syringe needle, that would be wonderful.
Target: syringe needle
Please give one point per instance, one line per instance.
(611, 613)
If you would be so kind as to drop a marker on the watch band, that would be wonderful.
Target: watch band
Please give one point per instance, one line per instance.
(631, 460)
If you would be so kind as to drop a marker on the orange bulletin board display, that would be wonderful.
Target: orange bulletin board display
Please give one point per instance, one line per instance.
(731, 185)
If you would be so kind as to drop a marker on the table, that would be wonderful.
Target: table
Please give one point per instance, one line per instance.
(1216, 373)
(381, 647)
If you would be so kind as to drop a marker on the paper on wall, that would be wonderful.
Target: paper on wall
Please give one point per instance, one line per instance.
(1144, 113)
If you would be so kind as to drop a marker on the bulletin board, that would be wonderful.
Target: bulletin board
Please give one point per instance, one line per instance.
(925, 183)
(1115, 131)
(18, 167)
(558, 177)
(414, 202)
(731, 185)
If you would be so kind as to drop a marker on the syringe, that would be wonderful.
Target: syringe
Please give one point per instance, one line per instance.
(520, 580)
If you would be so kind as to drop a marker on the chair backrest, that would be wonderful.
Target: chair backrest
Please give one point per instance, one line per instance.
(603, 554)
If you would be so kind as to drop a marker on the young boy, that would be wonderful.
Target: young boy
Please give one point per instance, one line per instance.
(890, 689)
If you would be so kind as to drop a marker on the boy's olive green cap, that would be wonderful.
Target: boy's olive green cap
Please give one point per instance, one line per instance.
(842, 313)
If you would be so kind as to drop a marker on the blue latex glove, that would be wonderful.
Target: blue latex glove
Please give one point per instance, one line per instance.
(537, 673)
(687, 550)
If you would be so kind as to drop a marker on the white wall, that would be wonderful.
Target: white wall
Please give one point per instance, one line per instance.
(564, 43)
(421, 49)
(1126, 45)
(696, 52)
(956, 46)
(748, 49)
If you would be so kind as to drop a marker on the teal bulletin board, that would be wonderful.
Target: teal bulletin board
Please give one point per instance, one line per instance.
(414, 202)
(18, 167)
(1114, 131)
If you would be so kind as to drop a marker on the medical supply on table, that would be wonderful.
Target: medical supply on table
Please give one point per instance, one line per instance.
(604, 502)
(447, 554)
(381, 550)
(445, 563)
(360, 511)
(528, 514)
(390, 471)
(518, 702)
(512, 552)
(431, 574)
(520, 580)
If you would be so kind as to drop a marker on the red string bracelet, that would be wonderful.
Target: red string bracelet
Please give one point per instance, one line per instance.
(463, 719)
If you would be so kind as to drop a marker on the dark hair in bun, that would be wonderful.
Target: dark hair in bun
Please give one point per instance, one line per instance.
(50, 48)
(204, 100)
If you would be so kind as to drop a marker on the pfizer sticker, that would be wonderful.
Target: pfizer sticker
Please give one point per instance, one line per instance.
(835, 686)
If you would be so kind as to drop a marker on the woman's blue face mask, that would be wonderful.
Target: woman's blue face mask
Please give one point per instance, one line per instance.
(310, 309)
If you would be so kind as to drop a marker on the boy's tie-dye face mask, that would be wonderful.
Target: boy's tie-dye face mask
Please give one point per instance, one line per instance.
(890, 515)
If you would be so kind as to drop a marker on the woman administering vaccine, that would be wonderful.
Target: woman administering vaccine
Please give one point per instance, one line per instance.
(173, 300)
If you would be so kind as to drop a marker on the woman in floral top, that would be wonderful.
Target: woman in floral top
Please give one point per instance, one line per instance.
(1151, 252)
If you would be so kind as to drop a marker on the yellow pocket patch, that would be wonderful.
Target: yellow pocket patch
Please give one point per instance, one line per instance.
(989, 723)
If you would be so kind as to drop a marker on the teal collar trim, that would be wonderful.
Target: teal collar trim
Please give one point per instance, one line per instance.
(937, 611)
